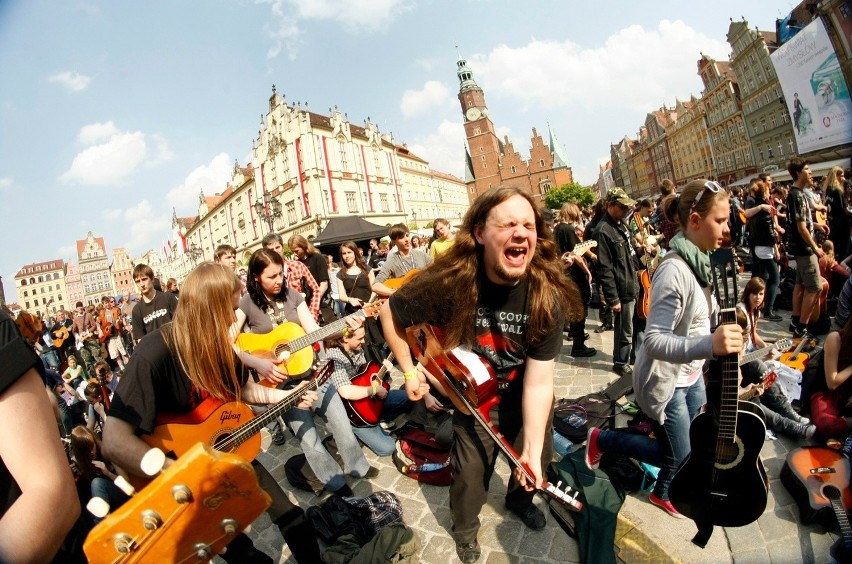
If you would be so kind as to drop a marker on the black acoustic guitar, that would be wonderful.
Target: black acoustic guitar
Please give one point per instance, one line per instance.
(722, 481)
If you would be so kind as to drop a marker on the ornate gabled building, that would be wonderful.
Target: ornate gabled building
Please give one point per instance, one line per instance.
(122, 271)
(732, 155)
(94, 269)
(73, 284)
(765, 112)
(618, 154)
(657, 125)
(490, 161)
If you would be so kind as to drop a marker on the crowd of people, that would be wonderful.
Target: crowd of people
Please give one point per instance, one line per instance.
(512, 284)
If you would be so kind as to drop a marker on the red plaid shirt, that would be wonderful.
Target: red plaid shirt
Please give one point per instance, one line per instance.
(295, 272)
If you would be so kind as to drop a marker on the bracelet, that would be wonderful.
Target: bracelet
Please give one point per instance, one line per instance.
(410, 374)
(375, 389)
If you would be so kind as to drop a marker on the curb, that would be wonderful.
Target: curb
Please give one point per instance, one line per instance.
(636, 546)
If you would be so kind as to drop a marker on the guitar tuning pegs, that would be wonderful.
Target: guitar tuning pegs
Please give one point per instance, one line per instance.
(98, 507)
(203, 552)
(123, 543)
(182, 494)
(230, 527)
(124, 486)
(152, 462)
(151, 520)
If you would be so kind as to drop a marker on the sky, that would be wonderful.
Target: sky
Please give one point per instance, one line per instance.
(112, 114)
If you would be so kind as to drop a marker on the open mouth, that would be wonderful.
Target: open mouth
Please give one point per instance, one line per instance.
(516, 256)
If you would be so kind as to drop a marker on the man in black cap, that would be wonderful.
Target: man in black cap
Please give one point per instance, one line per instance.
(617, 274)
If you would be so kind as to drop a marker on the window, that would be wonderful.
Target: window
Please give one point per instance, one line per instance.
(541, 162)
(25, 293)
(291, 212)
(383, 198)
(351, 203)
(341, 147)
(514, 170)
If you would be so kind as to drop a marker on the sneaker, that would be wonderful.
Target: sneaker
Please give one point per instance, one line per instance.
(604, 328)
(278, 437)
(801, 332)
(622, 369)
(532, 517)
(468, 551)
(799, 419)
(593, 451)
(772, 316)
(583, 351)
(804, 431)
(665, 505)
(372, 472)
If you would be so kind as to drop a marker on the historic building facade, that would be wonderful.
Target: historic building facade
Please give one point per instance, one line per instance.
(41, 287)
(688, 141)
(122, 271)
(765, 112)
(491, 162)
(73, 284)
(94, 269)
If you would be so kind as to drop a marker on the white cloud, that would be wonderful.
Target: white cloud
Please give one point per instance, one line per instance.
(444, 149)
(211, 178)
(433, 94)
(68, 252)
(146, 227)
(6, 181)
(75, 82)
(285, 28)
(563, 74)
(113, 155)
(92, 133)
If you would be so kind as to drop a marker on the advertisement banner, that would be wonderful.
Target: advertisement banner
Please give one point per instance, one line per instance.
(817, 95)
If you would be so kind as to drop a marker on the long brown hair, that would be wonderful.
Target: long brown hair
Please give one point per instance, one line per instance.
(678, 208)
(448, 291)
(753, 286)
(198, 334)
(82, 442)
(359, 260)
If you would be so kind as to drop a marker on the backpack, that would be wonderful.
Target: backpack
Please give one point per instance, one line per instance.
(419, 456)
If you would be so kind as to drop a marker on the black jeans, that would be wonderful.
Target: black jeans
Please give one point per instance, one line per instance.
(473, 457)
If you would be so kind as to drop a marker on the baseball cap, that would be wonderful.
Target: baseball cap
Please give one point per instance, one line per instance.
(618, 195)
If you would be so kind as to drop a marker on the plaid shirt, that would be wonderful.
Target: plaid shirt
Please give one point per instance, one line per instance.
(345, 366)
(295, 272)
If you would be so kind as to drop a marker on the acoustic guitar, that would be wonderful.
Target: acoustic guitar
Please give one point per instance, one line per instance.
(397, 283)
(60, 336)
(766, 383)
(780, 345)
(189, 513)
(366, 412)
(225, 426)
(290, 347)
(798, 359)
(818, 479)
(722, 481)
(643, 302)
(469, 381)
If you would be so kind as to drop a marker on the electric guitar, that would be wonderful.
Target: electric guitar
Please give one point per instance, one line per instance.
(766, 383)
(722, 481)
(780, 346)
(366, 412)
(190, 512)
(818, 479)
(225, 426)
(469, 381)
(60, 336)
(581, 248)
(290, 347)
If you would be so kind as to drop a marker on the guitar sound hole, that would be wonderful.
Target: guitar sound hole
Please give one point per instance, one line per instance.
(220, 440)
(728, 454)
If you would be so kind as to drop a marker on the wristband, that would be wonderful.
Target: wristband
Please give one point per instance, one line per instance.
(375, 389)
(345, 332)
(410, 374)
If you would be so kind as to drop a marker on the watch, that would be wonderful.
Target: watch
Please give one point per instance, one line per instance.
(473, 114)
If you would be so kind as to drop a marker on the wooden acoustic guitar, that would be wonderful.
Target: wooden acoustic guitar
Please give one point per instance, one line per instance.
(796, 358)
(189, 513)
(780, 345)
(818, 479)
(469, 381)
(366, 412)
(225, 426)
(291, 348)
(722, 481)
(643, 302)
(397, 283)
(60, 336)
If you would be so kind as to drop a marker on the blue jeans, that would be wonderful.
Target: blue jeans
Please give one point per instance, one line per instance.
(324, 465)
(339, 309)
(768, 270)
(109, 492)
(623, 333)
(672, 444)
(375, 437)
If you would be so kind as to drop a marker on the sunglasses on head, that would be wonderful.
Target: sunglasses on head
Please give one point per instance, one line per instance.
(710, 185)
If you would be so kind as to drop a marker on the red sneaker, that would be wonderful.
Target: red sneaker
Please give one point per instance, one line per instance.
(593, 452)
(665, 505)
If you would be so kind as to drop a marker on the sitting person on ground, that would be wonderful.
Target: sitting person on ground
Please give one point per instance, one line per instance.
(835, 272)
(833, 390)
(349, 362)
(95, 469)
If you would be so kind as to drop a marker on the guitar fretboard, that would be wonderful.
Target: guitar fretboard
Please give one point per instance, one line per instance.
(730, 389)
(320, 334)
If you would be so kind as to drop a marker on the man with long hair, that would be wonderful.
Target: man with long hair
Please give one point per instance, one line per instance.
(174, 369)
(499, 292)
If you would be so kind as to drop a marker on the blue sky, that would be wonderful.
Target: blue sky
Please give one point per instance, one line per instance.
(113, 113)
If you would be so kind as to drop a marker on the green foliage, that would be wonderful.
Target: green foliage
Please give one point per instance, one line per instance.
(583, 196)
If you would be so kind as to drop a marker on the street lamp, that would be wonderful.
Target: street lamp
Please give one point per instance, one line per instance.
(414, 215)
(270, 212)
(318, 220)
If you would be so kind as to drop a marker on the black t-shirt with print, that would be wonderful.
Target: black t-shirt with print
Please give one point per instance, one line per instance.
(18, 357)
(501, 330)
(147, 317)
(798, 209)
(154, 383)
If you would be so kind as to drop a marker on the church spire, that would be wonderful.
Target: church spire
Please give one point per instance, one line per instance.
(465, 75)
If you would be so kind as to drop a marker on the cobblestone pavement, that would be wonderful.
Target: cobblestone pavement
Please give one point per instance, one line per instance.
(645, 533)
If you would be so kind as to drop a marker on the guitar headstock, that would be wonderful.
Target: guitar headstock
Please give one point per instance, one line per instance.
(323, 372)
(783, 345)
(189, 512)
(372, 309)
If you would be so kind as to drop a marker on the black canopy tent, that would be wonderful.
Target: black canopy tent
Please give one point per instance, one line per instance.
(340, 229)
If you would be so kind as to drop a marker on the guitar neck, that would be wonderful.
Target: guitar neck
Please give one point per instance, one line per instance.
(320, 334)
(730, 387)
(755, 355)
(842, 521)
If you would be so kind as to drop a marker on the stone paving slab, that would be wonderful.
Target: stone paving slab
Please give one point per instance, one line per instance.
(645, 533)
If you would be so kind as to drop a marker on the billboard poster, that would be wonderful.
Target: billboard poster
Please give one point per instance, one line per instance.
(817, 96)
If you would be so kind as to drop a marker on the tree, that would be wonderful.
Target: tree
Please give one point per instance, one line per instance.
(583, 196)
